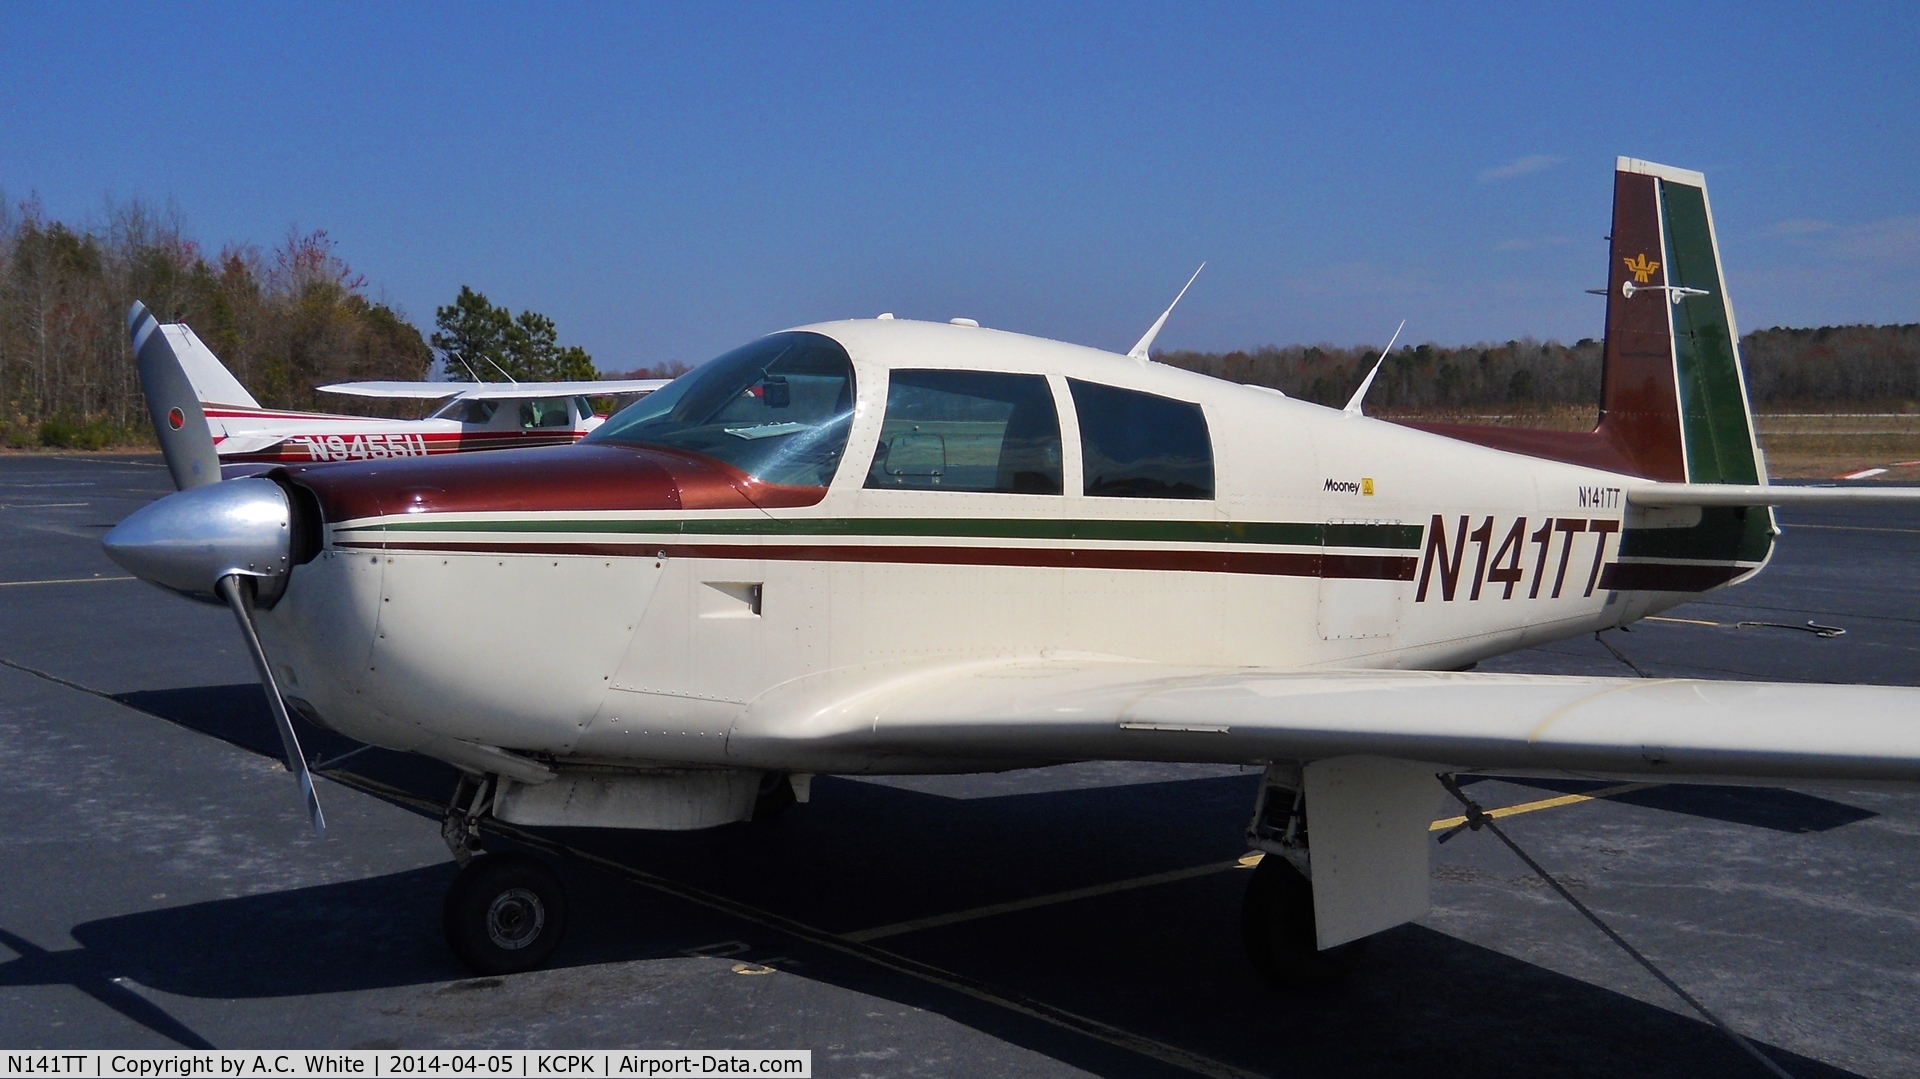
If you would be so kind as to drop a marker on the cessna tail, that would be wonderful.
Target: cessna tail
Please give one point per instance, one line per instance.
(188, 389)
(885, 546)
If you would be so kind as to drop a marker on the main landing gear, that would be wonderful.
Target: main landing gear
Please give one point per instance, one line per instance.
(504, 913)
(1276, 915)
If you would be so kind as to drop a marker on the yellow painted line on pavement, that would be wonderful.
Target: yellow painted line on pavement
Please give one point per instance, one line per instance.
(1246, 862)
(898, 928)
(1687, 621)
(62, 580)
(1545, 803)
(1858, 528)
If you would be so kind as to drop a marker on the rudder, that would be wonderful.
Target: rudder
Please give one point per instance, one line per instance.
(1674, 399)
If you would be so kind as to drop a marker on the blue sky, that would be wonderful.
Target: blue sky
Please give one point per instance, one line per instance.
(669, 181)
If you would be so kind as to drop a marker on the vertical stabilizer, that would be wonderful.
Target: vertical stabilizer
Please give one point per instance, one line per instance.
(1673, 398)
(213, 384)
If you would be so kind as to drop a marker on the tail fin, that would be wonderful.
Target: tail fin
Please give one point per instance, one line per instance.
(1674, 398)
(213, 384)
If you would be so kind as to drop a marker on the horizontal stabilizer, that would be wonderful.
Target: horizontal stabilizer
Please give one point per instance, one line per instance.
(1728, 494)
(435, 391)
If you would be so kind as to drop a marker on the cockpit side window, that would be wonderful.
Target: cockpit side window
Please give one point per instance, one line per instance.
(779, 409)
(968, 431)
(1139, 445)
(545, 412)
(467, 410)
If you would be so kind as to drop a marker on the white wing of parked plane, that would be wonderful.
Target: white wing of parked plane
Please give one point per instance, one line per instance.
(434, 391)
(1374, 741)
(1096, 708)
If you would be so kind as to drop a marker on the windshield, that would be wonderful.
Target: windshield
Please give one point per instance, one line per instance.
(778, 409)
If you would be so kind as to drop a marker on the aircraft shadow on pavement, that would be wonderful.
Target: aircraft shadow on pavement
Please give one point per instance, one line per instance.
(1162, 961)
(237, 714)
(1774, 808)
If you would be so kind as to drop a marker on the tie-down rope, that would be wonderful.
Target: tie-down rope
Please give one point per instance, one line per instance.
(1477, 819)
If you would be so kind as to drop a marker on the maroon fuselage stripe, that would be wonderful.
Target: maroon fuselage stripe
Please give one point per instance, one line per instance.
(1272, 564)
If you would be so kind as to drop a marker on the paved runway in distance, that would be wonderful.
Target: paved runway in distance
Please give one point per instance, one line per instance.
(159, 886)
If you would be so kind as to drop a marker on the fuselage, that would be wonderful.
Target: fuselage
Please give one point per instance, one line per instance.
(624, 602)
(245, 435)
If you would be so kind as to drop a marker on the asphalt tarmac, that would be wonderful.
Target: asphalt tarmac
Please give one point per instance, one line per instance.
(159, 887)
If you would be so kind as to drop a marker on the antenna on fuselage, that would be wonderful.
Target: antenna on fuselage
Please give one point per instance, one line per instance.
(1139, 351)
(1353, 406)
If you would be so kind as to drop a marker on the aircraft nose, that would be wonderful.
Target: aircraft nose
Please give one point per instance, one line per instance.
(188, 540)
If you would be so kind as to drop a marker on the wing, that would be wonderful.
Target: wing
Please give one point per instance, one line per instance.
(618, 387)
(1084, 709)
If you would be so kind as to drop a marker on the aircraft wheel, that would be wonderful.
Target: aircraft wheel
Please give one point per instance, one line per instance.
(1276, 925)
(504, 914)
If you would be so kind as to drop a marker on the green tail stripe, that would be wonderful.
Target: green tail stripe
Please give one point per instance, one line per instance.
(1713, 410)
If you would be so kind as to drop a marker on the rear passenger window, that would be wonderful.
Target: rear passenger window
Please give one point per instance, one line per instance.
(968, 431)
(1137, 445)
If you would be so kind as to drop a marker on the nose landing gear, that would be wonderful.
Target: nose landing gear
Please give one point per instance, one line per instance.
(504, 913)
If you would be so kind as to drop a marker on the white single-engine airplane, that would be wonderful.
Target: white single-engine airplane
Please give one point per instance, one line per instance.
(470, 416)
(885, 546)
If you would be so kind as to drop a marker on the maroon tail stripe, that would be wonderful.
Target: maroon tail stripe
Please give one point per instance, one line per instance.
(1665, 577)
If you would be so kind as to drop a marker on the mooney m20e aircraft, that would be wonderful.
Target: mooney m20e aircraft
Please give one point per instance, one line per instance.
(470, 415)
(884, 546)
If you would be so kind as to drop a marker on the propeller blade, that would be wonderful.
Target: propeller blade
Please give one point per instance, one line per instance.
(178, 420)
(239, 596)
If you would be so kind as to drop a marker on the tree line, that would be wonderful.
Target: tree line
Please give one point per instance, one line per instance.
(293, 316)
(284, 319)
(1833, 367)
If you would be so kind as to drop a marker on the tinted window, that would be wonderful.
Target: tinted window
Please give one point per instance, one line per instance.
(548, 412)
(468, 411)
(968, 431)
(1137, 445)
(778, 409)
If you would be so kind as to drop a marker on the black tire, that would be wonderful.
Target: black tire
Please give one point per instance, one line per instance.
(1276, 925)
(505, 913)
(776, 794)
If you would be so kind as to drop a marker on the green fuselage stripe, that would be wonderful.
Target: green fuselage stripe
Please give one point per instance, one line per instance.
(1377, 536)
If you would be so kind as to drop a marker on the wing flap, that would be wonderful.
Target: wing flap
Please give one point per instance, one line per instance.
(1047, 710)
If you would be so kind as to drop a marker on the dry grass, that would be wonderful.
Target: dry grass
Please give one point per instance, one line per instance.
(1799, 444)
(1805, 446)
